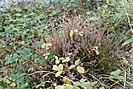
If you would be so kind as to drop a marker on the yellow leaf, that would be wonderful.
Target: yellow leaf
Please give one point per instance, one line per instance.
(80, 69)
(77, 62)
(57, 61)
(62, 58)
(131, 50)
(66, 59)
(68, 86)
(46, 57)
(81, 33)
(95, 48)
(43, 46)
(97, 53)
(44, 54)
(71, 33)
(47, 54)
(55, 84)
(59, 87)
(66, 80)
(40, 67)
(49, 44)
(56, 57)
(46, 45)
(124, 60)
(103, 12)
(72, 66)
(55, 67)
(13, 84)
(31, 69)
(58, 73)
(60, 67)
(75, 30)
(70, 54)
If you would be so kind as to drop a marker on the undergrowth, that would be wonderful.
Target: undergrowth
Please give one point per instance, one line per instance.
(64, 47)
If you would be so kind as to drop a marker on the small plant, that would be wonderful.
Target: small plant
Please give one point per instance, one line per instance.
(79, 68)
(116, 75)
(84, 44)
(84, 84)
(71, 44)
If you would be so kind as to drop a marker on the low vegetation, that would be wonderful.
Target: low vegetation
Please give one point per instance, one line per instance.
(79, 44)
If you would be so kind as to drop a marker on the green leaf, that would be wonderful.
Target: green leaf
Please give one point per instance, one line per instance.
(18, 14)
(13, 84)
(1, 87)
(50, 56)
(21, 75)
(93, 83)
(128, 41)
(18, 10)
(115, 73)
(6, 81)
(24, 86)
(76, 83)
(11, 59)
(20, 80)
(25, 51)
(1, 28)
(80, 69)
(87, 87)
(82, 81)
(18, 77)
(1, 79)
(120, 77)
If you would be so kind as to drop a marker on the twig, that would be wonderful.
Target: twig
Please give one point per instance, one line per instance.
(48, 74)
(97, 79)
(21, 66)
(37, 72)
(115, 82)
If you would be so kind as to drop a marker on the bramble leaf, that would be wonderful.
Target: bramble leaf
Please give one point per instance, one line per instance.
(80, 69)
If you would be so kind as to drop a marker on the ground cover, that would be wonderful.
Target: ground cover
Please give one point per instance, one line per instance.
(75, 45)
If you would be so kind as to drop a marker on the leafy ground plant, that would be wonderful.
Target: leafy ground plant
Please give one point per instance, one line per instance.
(61, 46)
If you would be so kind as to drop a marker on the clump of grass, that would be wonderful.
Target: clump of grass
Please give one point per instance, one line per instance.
(85, 42)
